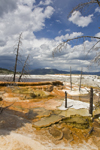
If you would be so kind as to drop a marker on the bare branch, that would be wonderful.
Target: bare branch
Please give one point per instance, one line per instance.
(93, 37)
(98, 2)
(61, 45)
(96, 58)
(23, 68)
(82, 5)
(94, 45)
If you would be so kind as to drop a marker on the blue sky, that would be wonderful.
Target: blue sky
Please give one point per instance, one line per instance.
(44, 24)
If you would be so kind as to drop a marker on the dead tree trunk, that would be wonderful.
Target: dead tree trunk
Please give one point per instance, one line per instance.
(18, 46)
(70, 80)
(80, 81)
(23, 69)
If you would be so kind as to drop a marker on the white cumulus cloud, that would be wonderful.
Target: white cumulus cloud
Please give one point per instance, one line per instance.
(24, 19)
(27, 2)
(7, 6)
(80, 20)
(48, 11)
(98, 34)
(68, 36)
(47, 2)
(97, 9)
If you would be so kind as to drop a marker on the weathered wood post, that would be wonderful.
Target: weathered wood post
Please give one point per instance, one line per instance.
(65, 99)
(70, 80)
(91, 101)
(80, 81)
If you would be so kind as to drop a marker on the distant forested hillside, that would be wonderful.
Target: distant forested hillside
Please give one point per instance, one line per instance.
(5, 71)
(55, 71)
(46, 71)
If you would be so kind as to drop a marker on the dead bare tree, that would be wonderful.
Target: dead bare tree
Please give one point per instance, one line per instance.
(19, 60)
(17, 54)
(80, 7)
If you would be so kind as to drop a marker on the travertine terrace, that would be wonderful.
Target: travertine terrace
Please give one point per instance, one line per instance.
(35, 112)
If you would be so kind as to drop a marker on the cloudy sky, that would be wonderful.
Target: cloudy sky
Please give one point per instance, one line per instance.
(44, 24)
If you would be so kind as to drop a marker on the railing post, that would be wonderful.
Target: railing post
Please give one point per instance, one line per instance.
(91, 101)
(65, 99)
(70, 79)
(80, 81)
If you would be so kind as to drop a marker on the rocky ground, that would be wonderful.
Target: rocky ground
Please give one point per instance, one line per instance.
(37, 119)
